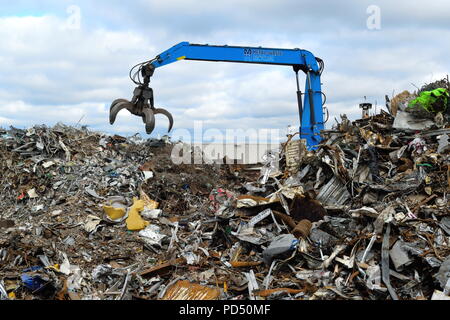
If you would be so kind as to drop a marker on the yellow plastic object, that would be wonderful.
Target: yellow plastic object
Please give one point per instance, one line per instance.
(134, 220)
(54, 267)
(114, 213)
(12, 295)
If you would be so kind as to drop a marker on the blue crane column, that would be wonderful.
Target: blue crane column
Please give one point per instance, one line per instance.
(310, 111)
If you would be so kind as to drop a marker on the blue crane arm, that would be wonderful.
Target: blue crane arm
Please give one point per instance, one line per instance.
(187, 51)
(310, 109)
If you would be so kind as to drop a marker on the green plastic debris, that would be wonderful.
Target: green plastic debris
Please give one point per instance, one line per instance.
(432, 101)
(424, 165)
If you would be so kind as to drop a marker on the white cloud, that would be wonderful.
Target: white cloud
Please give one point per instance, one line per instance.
(52, 74)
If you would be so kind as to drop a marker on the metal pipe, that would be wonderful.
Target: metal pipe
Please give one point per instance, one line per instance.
(299, 101)
(311, 100)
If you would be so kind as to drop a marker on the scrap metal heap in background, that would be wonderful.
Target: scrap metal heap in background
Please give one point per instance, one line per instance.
(365, 216)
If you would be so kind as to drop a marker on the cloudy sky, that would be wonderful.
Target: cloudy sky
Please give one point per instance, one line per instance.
(67, 60)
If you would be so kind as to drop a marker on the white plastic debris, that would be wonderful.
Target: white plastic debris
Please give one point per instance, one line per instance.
(152, 235)
(55, 213)
(40, 145)
(191, 258)
(74, 281)
(48, 164)
(150, 213)
(32, 194)
(38, 208)
(101, 270)
(364, 211)
(419, 145)
(92, 223)
(66, 267)
(147, 175)
(103, 142)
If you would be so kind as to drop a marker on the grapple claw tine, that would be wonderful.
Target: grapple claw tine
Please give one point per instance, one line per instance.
(119, 100)
(116, 106)
(149, 120)
(167, 114)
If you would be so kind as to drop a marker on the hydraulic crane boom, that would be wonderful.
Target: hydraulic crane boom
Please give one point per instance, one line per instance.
(310, 107)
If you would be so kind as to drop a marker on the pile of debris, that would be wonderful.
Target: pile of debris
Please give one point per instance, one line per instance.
(90, 216)
(56, 184)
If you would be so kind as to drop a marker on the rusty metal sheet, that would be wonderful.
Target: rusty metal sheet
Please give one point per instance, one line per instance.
(185, 290)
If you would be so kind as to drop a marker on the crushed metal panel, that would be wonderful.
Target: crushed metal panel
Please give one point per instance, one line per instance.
(444, 144)
(399, 256)
(405, 120)
(295, 151)
(185, 290)
(334, 192)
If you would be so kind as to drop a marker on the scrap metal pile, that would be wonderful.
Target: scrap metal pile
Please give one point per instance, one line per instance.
(364, 217)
